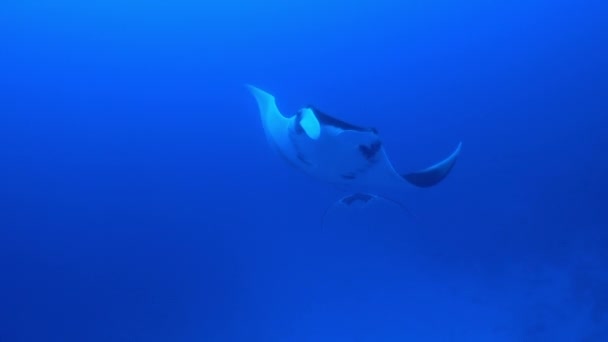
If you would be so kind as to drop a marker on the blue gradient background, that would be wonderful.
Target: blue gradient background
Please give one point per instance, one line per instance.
(139, 200)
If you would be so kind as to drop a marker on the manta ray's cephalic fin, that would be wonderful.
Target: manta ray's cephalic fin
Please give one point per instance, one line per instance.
(435, 174)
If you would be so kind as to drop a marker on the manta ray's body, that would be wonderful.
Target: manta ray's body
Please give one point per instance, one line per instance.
(338, 152)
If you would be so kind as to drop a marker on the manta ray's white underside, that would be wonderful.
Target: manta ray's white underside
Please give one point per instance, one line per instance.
(338, 152)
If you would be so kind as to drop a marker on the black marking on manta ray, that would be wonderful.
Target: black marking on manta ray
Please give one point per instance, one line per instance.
(348, 200)
(349, 176)
(331, 121)
(370, 151)
(352, 175)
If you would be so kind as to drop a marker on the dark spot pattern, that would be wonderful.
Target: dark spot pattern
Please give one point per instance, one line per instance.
(348, 200)
(370, 151)
(348, 176)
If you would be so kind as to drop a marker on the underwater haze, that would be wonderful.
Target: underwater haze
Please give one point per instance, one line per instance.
(141, 201)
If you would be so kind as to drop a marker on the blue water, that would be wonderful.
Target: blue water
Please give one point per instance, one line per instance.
(140, 201)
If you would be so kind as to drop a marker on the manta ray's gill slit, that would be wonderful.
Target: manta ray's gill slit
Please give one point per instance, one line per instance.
(301, 158)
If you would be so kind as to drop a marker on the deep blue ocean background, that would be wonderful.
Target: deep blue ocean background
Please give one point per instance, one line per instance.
(140, 201)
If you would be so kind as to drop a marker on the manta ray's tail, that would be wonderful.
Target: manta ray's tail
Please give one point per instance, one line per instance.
(435, 174)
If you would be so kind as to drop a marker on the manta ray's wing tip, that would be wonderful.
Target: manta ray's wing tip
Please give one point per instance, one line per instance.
(253, 88)
(433, 175)
(257, 91)
(264, 98)
(250, 86)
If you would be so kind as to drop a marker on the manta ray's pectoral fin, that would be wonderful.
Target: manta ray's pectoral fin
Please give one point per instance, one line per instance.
(275, 124)
(272, 119)
(435, 174)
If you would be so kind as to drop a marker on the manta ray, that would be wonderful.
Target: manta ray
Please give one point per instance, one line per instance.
(349, 156)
